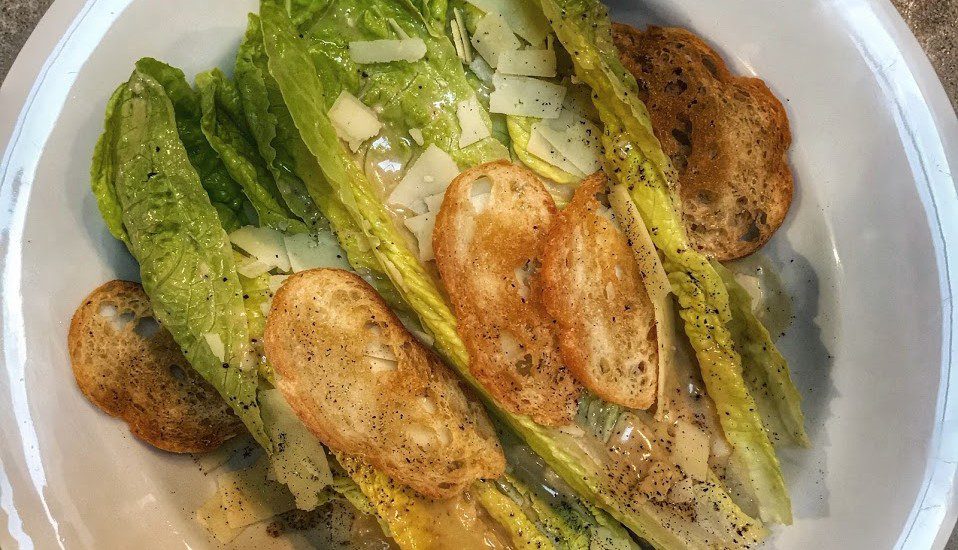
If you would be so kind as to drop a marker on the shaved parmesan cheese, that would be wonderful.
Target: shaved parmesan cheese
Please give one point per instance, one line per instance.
(493, 37)
(300, 463)
(528, 63)
(430, 174)
(422, 226)
(263, 243)
(575, 138)
(525, 18)
(264, 308)
(249, 497)
(416, 135)
(539, 146)
(434, 202)
(471, 122)
(481, 69)
(354, 122)
(212, 515)
(524, 96)
(215, 343)
(752, 285)
(387, 51)
(311, 251)
(690, 450)
(463, 35)
(253, 268)
(653, 273)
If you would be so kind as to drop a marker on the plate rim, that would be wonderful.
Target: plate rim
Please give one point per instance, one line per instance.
(934, 514)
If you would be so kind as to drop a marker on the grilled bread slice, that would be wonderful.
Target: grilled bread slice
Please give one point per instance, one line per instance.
(592, 286)
(488, 239)
(728, 137)
(130, 367)
(367, 388)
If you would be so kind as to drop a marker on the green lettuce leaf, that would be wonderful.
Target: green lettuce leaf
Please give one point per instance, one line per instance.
(304, 92)
(225, 194)
(523, 532)
(278, 138)
(224, 125)
(635, 158)
(174, 232)
(422, 94)
(306, 96)
(764, 368)
(271, 126)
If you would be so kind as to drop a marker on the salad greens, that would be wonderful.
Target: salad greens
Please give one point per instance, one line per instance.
(765, 370)
(224, 126)
(635, 158)
(149, 190)
(177, 169)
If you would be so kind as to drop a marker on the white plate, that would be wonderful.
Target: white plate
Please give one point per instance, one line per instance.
(868, 253)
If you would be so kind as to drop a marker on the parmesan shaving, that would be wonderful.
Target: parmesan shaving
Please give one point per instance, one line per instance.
(528, 63)
(471, 123)
(525, 96)
(354, 122)
(387, 51)
(493, 37)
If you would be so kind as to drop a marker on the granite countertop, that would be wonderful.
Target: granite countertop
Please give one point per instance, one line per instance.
(934, 22)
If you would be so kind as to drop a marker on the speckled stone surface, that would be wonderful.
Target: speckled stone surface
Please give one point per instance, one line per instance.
(934, 22)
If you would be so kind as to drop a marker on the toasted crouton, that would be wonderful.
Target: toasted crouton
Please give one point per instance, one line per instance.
(727, 136)
(130, 367)
(592, 286)
(487, 240)
(367, 388)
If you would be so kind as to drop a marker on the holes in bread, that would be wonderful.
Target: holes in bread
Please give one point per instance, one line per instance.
(710, 65)
(147, 327)
(178, 372)
(479, 194)
(676, 87)
(378, 352)
(752, 233)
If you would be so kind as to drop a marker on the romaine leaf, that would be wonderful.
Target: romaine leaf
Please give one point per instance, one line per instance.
(174, 232)
(225, 194)
(271, 127)
(418, 523)
(510, 516)
(304, 92)
(306, 96)
(423, 94)
(765, 370)
(103, 170)
(635, 158)
(294, 161)
(224, 126)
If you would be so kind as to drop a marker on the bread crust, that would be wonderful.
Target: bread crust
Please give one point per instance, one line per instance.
(143, 378)
(408, 418)
(489, 264)
(728, 138)
(593, 288)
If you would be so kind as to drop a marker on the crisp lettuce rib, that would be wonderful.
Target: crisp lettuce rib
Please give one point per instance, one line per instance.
(304, 91)
(174, 232)
(764, 368)
(635, 158)
(224, 126)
